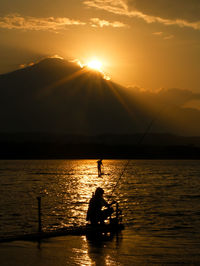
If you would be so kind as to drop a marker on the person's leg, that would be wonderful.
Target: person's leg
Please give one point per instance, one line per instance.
(99, 172)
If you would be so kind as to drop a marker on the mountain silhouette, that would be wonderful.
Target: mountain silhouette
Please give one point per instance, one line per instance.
(58, 96)
(55, 95)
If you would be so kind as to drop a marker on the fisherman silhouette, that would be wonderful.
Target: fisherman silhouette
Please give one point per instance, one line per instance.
(94, 214)
(99, 164)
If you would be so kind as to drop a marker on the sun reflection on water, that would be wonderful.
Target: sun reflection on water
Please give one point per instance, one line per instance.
(159, 199)
(86, 181)
(68, 187)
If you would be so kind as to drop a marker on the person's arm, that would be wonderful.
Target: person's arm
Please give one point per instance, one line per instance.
(106, 204)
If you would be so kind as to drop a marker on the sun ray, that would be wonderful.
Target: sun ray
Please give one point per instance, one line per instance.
(120, 98)
(46, 90)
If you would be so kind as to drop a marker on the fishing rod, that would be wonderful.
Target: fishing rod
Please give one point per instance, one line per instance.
(139, 143)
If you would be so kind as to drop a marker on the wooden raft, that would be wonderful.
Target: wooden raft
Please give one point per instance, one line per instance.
(75, 230)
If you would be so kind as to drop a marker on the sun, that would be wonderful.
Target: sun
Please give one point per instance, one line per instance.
(95, 65)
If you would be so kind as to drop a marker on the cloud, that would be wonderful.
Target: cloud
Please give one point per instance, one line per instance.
(188, 10)
(169, 37)
(158, 33)
(127, 8)
(26, 65)
(37, 61)
(55, 56)
(178, 97)
(15, 21)
(161, 34)
(96, 22)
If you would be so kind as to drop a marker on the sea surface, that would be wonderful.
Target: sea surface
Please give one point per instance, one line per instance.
(160, 200)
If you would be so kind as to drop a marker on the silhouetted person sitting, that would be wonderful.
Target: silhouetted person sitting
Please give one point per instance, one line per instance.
(94, 214)
(99, 164)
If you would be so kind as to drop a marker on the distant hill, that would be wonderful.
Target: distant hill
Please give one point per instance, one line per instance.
(58, 146)
(104, 139)
(55, 96)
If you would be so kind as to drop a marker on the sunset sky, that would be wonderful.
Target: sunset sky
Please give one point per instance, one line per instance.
(148, 44)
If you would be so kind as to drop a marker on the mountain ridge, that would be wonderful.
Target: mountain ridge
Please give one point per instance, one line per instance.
(58, 96)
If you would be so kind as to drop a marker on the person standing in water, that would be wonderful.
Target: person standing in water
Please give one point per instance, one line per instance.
(99, 164)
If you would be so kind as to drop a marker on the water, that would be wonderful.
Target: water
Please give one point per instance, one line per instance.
(160, 202)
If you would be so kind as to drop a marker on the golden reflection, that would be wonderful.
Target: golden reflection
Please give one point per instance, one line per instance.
(80, 187)
(69, 186)
(100, 248)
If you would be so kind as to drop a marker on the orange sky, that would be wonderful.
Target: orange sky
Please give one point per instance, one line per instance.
(140, 43)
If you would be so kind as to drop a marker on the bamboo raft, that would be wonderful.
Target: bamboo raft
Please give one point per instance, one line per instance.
(75, 230)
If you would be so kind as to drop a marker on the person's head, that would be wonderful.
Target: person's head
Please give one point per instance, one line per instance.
(99, 192)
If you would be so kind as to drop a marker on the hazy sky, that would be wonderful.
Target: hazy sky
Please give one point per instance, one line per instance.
(149, 44)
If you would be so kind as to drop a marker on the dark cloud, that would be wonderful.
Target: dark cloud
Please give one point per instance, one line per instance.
(169, 97)
(164, 12)
(169, 9)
